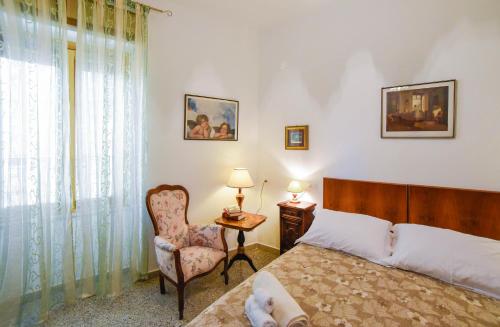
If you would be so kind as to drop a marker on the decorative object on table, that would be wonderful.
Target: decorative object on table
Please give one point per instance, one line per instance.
(233, 212)
(250, 222)
(295, 220)
(207, 118)
(424, 110)
(189, 251)
(240, 178)
(297, 137)
(295, 188)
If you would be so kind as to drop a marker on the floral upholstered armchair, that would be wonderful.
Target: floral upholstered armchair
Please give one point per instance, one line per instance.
(183, 251)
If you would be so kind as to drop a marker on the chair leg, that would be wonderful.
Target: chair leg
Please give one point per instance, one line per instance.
(226, 276)
(180, 299)
(162, 283)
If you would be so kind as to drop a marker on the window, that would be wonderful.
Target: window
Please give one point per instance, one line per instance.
(15, 160)
(18, 156)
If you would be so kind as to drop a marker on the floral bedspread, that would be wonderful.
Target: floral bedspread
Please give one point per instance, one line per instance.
(336, 289)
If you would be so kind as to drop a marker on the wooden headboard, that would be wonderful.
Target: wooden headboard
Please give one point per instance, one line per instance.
(473, 212)
(468, 211)
(382, 200)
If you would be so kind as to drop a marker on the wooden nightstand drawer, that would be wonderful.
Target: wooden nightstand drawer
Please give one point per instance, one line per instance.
(295, 220)
(291, 213)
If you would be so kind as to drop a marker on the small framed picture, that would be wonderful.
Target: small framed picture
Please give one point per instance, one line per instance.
(424, 110)
(210, 119)
(297, 137)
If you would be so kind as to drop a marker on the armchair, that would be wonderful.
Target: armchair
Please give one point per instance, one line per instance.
(183, 252)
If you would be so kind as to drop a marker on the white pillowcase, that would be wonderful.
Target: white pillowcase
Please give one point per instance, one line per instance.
(457, 258)
(361, 235)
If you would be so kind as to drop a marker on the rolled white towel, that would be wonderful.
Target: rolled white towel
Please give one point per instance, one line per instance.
(264, 299)
(257, 316)
(286, 311)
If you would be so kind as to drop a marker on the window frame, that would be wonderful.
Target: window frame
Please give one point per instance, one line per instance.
(72, 135)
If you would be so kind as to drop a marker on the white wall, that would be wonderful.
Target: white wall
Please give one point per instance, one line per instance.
(326, 71)
(196, 53)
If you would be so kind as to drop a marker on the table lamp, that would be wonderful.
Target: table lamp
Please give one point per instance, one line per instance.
(294, 187)
(240, 178)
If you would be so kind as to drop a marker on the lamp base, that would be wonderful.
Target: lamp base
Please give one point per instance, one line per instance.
(294, 199)
(239, 199)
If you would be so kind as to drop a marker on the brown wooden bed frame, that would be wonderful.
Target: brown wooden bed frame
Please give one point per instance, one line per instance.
(474, 212)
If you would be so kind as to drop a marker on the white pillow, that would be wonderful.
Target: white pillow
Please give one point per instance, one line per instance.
(461, 259)
(358, 234)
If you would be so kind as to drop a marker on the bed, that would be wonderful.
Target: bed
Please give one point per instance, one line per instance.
(338, 289)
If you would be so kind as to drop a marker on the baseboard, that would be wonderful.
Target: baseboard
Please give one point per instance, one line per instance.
(254, 245)
(251, 246)
(269, 248)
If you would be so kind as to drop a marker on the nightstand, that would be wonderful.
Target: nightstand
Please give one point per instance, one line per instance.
(295, 220)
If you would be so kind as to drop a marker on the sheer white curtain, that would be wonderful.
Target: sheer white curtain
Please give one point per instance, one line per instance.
(36, 260)
(47, 254)
(110, 227)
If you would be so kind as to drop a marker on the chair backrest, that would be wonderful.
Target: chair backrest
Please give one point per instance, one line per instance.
(167, 206)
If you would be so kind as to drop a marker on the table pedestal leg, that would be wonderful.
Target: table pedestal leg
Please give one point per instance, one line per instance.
(240, 255)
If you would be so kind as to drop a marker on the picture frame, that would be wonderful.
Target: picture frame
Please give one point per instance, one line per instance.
(425, 110)
(297, 137)
(210, 119)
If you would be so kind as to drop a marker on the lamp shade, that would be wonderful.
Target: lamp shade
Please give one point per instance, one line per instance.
(240, 178)
(295, 187)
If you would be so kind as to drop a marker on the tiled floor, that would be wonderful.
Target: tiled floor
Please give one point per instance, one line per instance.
(143, 305)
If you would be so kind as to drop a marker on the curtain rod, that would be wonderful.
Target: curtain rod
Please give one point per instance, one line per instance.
(163, 11)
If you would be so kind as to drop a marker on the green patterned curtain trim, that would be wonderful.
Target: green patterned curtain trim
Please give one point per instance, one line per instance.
(29, 15)
(129, 4)
(31, 7)
(110, 16)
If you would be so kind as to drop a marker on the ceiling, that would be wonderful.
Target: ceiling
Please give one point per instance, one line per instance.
(256, 13)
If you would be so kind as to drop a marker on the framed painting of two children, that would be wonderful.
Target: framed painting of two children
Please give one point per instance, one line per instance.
(213, 119)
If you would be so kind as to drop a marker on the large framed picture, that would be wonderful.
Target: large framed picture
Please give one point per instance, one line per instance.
(297, 137)
(424, 110)
(207, 118)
